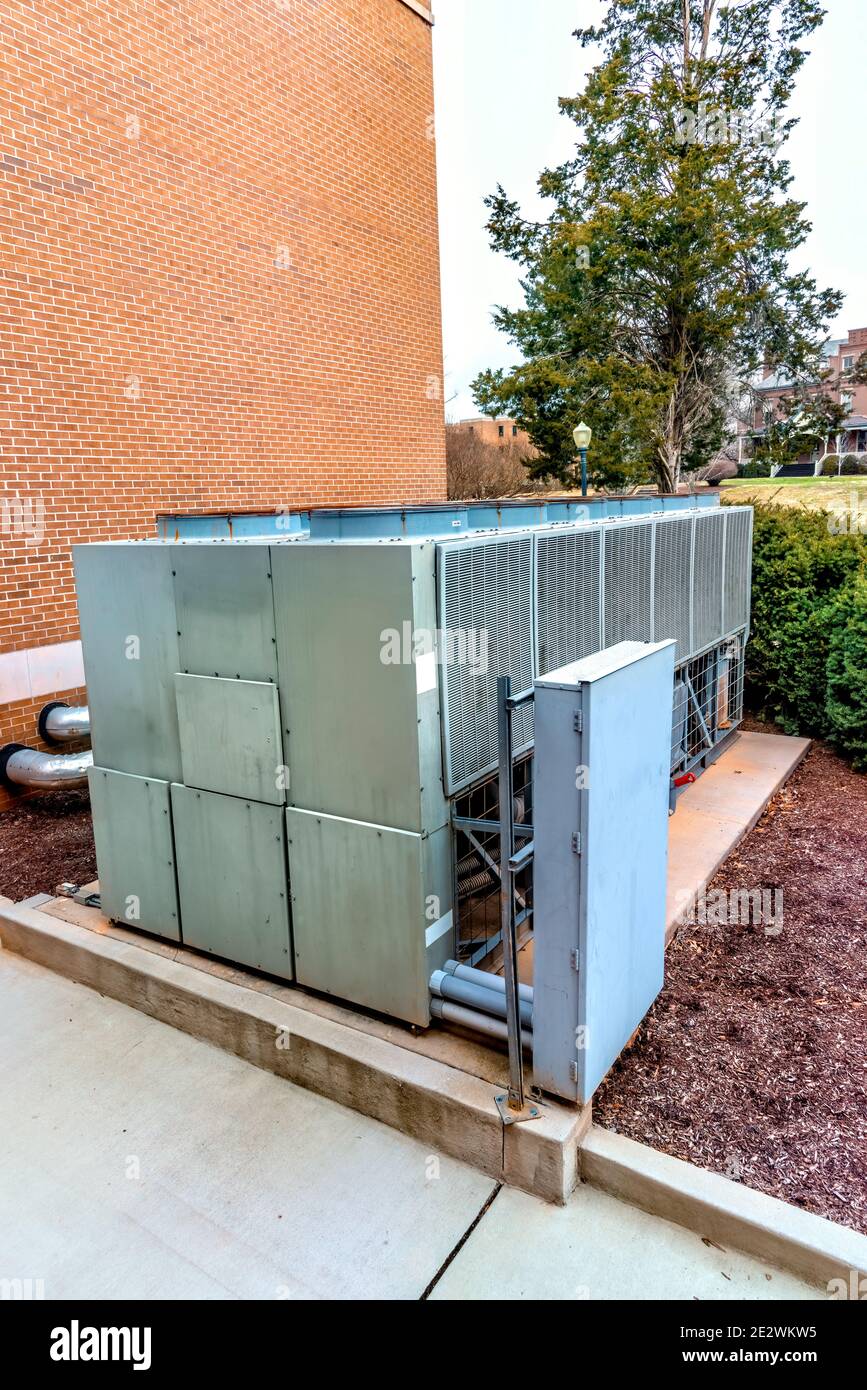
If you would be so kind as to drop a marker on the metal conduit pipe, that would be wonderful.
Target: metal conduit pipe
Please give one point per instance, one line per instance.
(484, 978)
(27, 767)
(486, 1001)
(477, 1023)
(60, 723)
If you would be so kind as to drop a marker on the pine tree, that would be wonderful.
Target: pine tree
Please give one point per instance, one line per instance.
(661, 280)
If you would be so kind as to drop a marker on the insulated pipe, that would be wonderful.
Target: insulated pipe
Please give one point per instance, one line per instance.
(477, 1023)
(486, 1001)
(60, 723)
(26, 767)
(485, 978)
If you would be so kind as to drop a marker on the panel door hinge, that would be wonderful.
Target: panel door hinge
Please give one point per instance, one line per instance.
(578, 721)
(576, 841)
(573, 1071)
(574, 958)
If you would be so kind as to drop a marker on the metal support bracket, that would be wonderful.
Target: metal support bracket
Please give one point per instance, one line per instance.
(528, 1111)
(513, 1106)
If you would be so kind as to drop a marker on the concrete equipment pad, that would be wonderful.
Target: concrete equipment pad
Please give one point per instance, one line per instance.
(139, 1162)
(597, 1247)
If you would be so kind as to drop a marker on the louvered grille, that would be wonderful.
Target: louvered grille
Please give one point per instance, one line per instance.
(707, 617)
(738, 567)
(656, 587)
(568, 597)
(486, 604)
(628, 582)
(671, 586)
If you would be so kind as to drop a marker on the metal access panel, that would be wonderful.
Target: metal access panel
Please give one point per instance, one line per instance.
(360, 705)
(132, 828)
(601, 793)
(230, 737)
(232, 887)
(126, 606)
(371, 911)
(225, 610)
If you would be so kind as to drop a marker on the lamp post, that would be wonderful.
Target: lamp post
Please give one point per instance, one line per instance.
(582, 436)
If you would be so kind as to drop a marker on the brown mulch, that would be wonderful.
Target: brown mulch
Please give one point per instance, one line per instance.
(46, 840)
(753, 1060)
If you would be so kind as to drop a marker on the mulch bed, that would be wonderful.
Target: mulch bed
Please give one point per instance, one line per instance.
(46, 840)
(753, 1060)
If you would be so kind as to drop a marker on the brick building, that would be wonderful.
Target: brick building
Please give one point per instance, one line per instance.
(842, 356)
(501, 432)
(219, 282)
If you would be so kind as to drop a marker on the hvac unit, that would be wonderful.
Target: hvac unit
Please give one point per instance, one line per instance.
(287, 730)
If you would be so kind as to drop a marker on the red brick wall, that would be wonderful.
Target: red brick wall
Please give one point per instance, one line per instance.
(219, 281)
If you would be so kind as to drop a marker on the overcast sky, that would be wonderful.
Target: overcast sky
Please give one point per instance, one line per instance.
(499, 67)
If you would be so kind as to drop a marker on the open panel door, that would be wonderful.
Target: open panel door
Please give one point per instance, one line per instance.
(601, 784)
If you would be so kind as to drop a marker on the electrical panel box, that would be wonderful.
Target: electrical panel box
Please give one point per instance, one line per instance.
(232, 887)
(600, 815)
(135, 853)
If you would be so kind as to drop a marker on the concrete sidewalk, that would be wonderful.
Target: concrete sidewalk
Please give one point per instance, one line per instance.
(712, 817)
(717, 811)
(139, 1162)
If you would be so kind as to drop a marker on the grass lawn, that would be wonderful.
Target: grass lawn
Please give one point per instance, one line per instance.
(819, 494)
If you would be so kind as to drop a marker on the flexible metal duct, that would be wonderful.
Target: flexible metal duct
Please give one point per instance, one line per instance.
(61, 723)
(27, 767)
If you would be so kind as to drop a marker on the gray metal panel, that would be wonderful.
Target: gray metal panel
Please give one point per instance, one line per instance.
(361, 732)
(601, 908)
(225, 610)
(672, 583)
(738, 567)
(230, 737)
(232, 886)
(363, 905)
(486, 594)
(707, 594)
(126, 606)
(132, 828)
(568, 596)
(628, 582)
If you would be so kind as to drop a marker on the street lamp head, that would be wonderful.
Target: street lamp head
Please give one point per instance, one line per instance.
(582, 436)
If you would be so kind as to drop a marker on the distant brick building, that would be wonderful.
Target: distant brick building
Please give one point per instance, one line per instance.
(219, 283)
(502, 432)
(841, 356)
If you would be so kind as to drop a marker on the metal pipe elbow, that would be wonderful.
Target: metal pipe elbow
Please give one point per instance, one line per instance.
(61, 723)
(28, 767)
